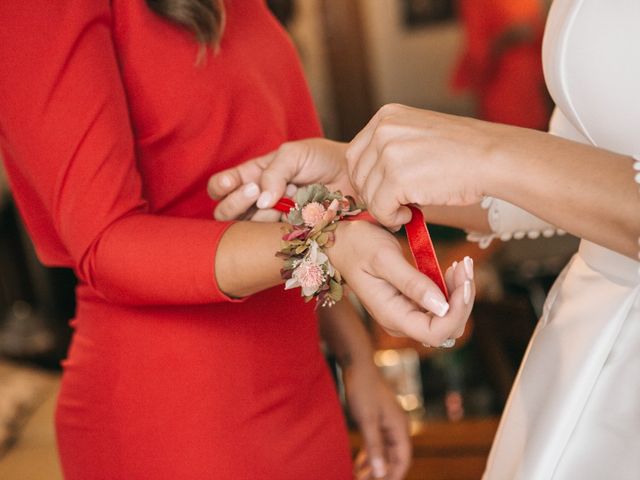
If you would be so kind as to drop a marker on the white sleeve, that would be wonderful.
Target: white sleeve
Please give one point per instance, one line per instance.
(508, 221)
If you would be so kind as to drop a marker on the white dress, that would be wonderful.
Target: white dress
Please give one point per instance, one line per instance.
(574, 410)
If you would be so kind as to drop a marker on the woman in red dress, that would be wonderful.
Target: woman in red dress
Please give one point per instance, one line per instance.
(186, 363)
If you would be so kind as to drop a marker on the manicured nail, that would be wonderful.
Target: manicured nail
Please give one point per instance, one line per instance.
(378, 467)
(264, 200)
(468, 267)
(436, 305)
(250, 190)
(291, 190)
(466, 292)
(225, 181)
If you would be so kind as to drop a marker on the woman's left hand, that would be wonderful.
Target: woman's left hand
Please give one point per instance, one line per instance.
(386, 450)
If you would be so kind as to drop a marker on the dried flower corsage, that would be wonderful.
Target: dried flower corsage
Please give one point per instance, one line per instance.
(310, 228)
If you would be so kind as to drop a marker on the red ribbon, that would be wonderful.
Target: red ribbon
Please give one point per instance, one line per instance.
(418, 236)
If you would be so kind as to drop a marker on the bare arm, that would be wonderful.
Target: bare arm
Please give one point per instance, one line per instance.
(407, 155)
(383, 424)
(587, 191)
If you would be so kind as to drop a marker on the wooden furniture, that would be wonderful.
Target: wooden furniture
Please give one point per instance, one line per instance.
(448, 451)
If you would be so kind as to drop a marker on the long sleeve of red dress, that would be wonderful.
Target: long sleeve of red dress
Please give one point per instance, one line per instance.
(67, 139)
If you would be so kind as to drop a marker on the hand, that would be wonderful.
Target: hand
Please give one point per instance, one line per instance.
(386, 451)
(302, 162)
(410, 156)
(241, 205)
(394, 292)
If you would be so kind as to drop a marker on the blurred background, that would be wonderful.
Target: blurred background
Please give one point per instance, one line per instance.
(476, 58)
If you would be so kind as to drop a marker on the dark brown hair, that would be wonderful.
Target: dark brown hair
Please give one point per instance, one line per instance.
(204, 18)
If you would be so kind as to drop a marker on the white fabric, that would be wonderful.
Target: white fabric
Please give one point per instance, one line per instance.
(509, 221)
(574, 410)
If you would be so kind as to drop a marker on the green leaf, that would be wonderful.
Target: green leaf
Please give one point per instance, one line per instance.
(295, 217)
(336, 290)
(322, 239)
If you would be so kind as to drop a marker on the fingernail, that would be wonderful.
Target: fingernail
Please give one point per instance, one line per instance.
(436, 305)
(225, 181)
(378, 467)
(454, 265)
(264, 200)
(250, 190)
(468, 267)
(466, 292)
(291, 190)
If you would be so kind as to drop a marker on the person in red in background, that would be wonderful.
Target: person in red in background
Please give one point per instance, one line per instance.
(501, 64)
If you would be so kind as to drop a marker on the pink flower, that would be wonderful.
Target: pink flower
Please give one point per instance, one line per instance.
(312, 213)
(331, 212)
(310, 277)
(297, 233)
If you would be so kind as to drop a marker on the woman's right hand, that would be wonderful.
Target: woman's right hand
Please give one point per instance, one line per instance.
(263, 180)
(404, 301)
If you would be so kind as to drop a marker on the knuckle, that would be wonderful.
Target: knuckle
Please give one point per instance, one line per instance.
(286, 148)
(390, 108)
(219, 214)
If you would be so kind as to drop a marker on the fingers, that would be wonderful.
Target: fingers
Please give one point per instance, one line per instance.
(398, 449)
(360, 169)
(391, 309)
(267, 215)
(459, 280)
(225, 182)
(401, 293)
(391, 265)
(285, 166)
(362, 140)
(236, 203)
(373, 441)
(387, 206)
(361, 468)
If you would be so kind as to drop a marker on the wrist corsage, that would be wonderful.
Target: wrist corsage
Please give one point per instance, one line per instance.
(311, 223)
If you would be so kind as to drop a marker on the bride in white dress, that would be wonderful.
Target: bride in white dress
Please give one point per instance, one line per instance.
(574, 410)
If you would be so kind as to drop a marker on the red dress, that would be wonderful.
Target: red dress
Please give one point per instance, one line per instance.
(109, 132)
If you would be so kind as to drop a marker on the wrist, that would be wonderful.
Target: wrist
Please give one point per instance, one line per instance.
(507, 160)
(359, 361)
(491, 171)
(312, 221)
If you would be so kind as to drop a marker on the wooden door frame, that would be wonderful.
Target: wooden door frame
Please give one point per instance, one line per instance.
(348, 65)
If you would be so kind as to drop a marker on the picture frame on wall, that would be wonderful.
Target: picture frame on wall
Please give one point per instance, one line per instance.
(420, 13)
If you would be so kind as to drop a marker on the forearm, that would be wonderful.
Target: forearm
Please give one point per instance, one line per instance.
(245, 261)
(584, 190)
(343, 331)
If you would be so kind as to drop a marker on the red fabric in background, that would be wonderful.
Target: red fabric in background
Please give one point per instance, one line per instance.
(509, 86)
(109, 132)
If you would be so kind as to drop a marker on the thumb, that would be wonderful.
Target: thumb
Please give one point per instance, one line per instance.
(396, 219)
(370, 429)
(223, 183)
(285, 166)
